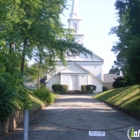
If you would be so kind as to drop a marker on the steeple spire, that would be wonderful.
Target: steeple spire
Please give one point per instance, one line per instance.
(75, 22)
(75, 10)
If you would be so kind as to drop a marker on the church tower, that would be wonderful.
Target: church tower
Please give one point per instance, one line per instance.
(75, 22)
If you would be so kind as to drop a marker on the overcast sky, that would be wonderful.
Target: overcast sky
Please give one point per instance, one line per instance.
(98, 18)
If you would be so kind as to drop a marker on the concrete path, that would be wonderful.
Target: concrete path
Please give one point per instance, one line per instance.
(77, 112)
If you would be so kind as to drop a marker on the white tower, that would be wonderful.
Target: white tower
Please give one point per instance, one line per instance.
(75, 22)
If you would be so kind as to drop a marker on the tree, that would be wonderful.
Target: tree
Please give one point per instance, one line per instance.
(128, 31)
(39, 24)
(114, 70)
(28, 24)
(25, 26)
(133, 61)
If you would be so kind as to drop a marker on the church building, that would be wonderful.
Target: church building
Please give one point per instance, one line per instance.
(80, 70)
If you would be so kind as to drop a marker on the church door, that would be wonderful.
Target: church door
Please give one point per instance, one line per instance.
(74, 82)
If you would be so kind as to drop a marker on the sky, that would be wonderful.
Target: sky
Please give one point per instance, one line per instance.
(99, 16)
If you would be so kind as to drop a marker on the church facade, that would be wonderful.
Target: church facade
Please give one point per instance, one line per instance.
(80, 70)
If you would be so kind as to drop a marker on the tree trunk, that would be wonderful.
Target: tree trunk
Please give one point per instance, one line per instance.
(38, 77)
(23, 56)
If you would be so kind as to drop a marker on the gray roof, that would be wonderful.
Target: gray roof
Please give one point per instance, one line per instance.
(110, 77)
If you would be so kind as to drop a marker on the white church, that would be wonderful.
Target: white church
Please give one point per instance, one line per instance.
(80, 70)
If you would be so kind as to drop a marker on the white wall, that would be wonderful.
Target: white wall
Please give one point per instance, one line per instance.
(54, 80)
(65, 80)
(78, 22)
(83, 80)
(93, 67)
(93, 81)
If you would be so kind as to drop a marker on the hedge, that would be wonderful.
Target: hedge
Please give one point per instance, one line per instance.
(59, 88)
(83, 87)
(90, 87)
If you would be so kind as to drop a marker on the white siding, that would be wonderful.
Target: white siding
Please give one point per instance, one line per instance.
(78, 22)
(94, 69)
(53, 80)
(65, 80)
(73, 69)
(83, 80)
(93, 81)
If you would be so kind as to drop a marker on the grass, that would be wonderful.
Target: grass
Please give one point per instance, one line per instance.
(126, 98)
(36, 102)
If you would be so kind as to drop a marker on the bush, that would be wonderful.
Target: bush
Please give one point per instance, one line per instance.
(121, 82)
(45, 95)
(13, 96)
(59, 88)
(64, 88)
(105, 89)
(83, 87)
(90, 87)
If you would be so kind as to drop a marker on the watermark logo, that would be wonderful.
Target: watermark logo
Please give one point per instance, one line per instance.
(132, 133)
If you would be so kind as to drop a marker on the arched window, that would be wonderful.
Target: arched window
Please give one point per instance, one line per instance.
(75, 27)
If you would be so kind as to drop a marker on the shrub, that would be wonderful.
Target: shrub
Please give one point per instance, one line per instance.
(64, 88)
(121, 82)
(45, 95)
(105, 89)
(13, 96)
(90, 87)
(83, 87)
(59, 88)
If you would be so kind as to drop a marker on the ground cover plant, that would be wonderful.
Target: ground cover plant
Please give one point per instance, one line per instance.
(126, 98)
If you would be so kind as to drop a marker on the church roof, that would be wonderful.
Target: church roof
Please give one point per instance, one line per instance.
(82, 58)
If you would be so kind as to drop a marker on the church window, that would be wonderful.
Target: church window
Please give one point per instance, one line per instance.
(75, 27)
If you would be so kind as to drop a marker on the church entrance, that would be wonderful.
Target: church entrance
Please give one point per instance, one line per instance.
(74, 82)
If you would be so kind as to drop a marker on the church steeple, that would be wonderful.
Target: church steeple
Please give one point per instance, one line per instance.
(75, 22)
(75, 10)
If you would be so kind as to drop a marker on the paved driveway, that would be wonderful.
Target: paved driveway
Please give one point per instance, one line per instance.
(72, 116)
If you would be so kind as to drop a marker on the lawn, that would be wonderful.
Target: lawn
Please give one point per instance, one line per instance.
(126, 98)
(36, 102)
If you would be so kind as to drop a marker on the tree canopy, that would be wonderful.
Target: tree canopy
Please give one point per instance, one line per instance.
(128, 32)
(30, 29)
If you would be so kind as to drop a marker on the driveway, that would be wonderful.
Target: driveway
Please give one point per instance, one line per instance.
(72, 116)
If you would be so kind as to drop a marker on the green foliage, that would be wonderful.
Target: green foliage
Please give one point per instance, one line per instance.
(59, 88)
(12, 96)
(30, 29)
(64, 88)
(133, 61)
(125, 98)
(90, 87)
(83, 87)
(105, 89)
(128, 32)
(121, 82)
(45, 95)
(114, 70)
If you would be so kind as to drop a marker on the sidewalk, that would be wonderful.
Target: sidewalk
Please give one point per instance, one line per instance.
(72, 116)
